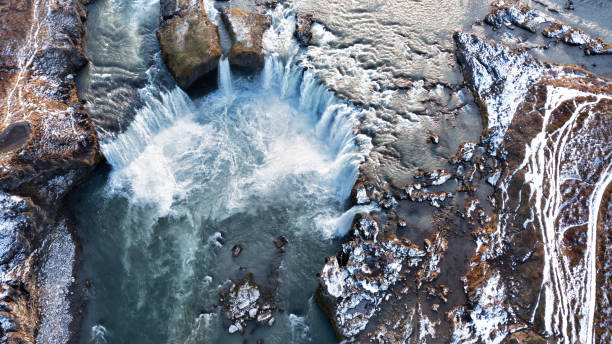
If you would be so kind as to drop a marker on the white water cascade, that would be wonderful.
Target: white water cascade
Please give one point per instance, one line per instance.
(225, 76)
(265, 155)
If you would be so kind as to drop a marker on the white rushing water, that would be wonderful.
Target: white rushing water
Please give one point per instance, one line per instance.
(151, 155)
(140, 156)
(264, 155)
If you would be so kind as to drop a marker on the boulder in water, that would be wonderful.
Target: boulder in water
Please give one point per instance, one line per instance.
(246, 30)
(236, 250)
(189, 41)
(281, 242)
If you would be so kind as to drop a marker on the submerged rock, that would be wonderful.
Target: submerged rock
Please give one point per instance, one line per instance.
(189, 40)
(246, 30)
(280, 242)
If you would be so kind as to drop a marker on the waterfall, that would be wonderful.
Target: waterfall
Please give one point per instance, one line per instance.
(333, 121)
(160, 109)
(225, 76)
(272, 154)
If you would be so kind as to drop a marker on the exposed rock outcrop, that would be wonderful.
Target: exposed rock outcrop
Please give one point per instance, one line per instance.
(553, 147)
(367, 288)
(533, 239)
(189, 40)
(246, 30)
(47, 145)
(519, 13)
(303, 25)
(245, 301)
(355, 282)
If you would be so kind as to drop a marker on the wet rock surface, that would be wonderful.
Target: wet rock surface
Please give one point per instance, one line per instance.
(47, 145)
(303, 26)
(189, 40)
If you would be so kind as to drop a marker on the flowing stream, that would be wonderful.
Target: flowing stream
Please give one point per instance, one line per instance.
(264, 155)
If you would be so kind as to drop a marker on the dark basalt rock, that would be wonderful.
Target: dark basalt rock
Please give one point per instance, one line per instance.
(537, 106)
(281, 242)
(433, 177)
(236, 250)
(433, 138)
(519, 13)
(302, 28)
(465, 153)
(354, 283)
(365, 227)
(418, 193)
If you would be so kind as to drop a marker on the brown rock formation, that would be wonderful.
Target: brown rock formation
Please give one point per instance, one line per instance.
(47, 145)
(189, 41)
(246, 30)
(552, 142)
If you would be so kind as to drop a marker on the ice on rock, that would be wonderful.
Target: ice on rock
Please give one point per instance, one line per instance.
(333, 277)
(353, 289)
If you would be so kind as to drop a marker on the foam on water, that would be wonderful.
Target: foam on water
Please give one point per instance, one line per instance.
(155, 159)
(189, 173)
(98, 334)
(225, 76)
(146, 160)
(299, 328)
